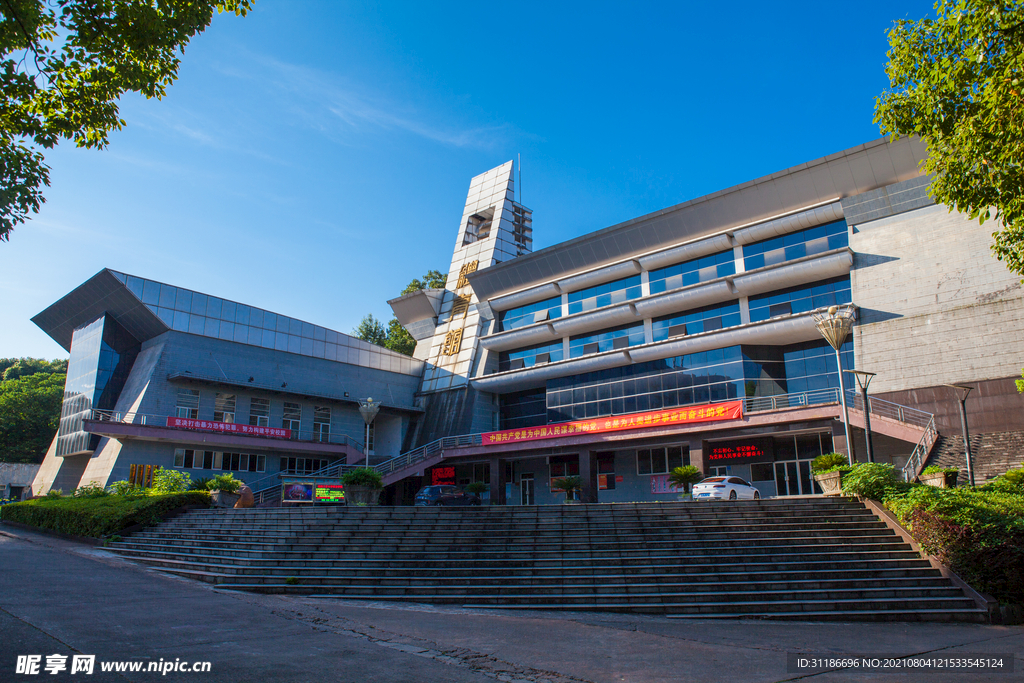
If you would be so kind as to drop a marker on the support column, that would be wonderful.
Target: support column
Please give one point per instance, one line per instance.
(588, 473)
(497, 481)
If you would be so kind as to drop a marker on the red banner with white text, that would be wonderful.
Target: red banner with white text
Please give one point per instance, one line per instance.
(732, 410)
(228, 427)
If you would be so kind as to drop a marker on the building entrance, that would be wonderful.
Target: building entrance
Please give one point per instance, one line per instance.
(793, 478)
(526, 488)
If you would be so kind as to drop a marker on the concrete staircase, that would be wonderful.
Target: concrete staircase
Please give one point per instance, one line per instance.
(811, 558)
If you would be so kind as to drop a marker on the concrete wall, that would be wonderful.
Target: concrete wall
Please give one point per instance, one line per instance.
(17, 476)
(936, 306)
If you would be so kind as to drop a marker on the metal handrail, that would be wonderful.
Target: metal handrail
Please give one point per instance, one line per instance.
(761, 404)
(161, 421)
(894, 411)
(916, 460)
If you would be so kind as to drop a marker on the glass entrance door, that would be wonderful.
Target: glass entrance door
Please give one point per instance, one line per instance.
(793, 478)
(526, 488)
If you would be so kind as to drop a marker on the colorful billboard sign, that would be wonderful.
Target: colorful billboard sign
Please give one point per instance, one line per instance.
(731, 410)
(328, 493)
(228, 428)
(442, 475)
(297, 492)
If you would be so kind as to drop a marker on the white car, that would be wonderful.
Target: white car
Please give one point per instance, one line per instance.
(725, 488)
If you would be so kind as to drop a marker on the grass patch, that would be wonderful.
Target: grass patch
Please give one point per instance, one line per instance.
(97, 517)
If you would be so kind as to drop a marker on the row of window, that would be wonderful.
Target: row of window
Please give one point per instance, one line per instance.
(187, 458)
(798, 299)
(767, 252)
(224, 406)
(706, 377)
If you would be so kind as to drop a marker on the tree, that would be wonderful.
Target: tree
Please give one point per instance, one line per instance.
(371, 330)
(29, 415)
(434, 279)
(956, 81)
(399, 339)
(12, 368)
(64, 65)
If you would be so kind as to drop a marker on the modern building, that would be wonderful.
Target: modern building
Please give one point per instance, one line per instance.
(162, 376)
(603, 355)
(686, 336)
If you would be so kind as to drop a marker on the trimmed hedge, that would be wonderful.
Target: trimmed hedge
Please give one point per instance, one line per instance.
(979, 533)
(99, 516)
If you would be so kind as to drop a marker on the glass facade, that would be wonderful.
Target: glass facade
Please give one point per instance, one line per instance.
(528, 357)
(707, 377)
(795, 245)
(187, 311)
(696, 321)
(548, 309)
(605, 295)
(800, 299)
(606, 340)
(102, 355)
(693, 272)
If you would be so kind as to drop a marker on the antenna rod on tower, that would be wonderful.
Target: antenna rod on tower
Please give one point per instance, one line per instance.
(520, 164)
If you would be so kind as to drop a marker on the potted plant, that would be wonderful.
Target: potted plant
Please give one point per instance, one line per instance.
(683, 477)
(942, 477)
(477, 488)
(224, 490)
(362, 486)
(828, 471)
(570, 485)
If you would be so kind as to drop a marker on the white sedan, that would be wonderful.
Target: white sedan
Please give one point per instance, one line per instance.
(724, 488)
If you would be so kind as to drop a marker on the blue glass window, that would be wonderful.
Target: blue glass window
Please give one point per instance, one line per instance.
(528, 314)
(523, 409)
(528, 357)
(795, 245)
(692, 272)
(800, 299)
(605, 295)
(698, 320)
(606, 340)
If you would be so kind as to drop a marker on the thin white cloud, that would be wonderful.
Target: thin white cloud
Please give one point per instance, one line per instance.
(320, 99)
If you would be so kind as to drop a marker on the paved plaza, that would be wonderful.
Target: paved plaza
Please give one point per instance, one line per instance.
(58, 597)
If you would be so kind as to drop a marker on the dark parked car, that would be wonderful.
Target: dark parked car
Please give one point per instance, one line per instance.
(445, 495)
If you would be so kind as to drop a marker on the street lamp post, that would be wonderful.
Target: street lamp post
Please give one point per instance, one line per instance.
(834, 326)
(961, 396)
(368, 409)
(863, 380)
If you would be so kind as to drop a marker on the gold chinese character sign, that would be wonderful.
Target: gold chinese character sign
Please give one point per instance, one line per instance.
(466, 269)
(452, 342)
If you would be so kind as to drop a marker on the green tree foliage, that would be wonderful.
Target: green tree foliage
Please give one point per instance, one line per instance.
(399, 339)
(956, 81)
(394, 336)
(434, 279)
(29, 414)
(13, 368)
(371, 330)
(64, 65)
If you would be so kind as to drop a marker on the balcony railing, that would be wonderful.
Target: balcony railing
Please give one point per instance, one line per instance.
(161, 421)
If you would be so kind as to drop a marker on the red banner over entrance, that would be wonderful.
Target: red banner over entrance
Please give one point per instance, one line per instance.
(732, 410)
(228, 427)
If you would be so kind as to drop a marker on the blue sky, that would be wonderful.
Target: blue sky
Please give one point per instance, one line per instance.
(314, 157)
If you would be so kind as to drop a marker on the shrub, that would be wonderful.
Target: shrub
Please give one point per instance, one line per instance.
(682, 477)
(224, 482)
(1011, 482)
(127, 489)
(54, 493)
(363, 476)
(935, 469)
(476, 488)
(829, 462)
(90, 491)
(573, 482)
(97, 517)
(170, 481)
(872, 480)
(200, 484)
(979, 533)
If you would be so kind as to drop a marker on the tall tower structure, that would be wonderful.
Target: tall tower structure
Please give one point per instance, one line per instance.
(446, 324)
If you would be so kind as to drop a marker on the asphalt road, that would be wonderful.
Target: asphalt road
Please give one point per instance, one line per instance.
(62, 598)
